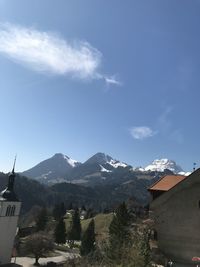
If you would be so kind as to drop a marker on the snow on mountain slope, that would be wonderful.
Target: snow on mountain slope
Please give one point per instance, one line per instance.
(100, 166)
(162, 164)
(116, 163)
(56, 167)
(103, 159)
(70, 161)
(141, 169)
(104, 169)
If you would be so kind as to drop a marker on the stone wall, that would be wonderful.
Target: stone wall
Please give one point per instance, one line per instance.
(177, 220)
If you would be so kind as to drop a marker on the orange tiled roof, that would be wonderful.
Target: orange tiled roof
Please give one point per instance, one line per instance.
(167, 182)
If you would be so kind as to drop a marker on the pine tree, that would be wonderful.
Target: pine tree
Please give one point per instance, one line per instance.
(55, 212)
(123, 214)
(59, 211)
(119, 234)
(60, 232)
(75, 231)
(118, 230)
(88, 239)
(41, 220)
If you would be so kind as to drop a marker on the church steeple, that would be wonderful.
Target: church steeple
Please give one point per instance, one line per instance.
(8, 194)
(10, 210)
(11, 178)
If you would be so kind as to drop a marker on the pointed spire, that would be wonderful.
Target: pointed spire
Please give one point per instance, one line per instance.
(13, 170)
(9, 193)
(11, 178)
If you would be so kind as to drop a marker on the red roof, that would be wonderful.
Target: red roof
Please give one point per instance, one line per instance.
(167, 182)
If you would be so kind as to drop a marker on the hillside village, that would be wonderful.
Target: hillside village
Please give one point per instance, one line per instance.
(129, 232)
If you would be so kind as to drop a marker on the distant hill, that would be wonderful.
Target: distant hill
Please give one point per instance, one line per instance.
(30, 192)
(99, 197)
(33, 193)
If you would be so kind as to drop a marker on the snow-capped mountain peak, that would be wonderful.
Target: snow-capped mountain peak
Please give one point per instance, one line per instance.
(163, 164)
(55, 167)
(59, 157)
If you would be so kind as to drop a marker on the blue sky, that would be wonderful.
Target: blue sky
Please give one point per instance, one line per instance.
(79, 77)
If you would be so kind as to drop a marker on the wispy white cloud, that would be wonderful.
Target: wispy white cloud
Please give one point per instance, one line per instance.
(112, 80)
(141, 132)
(47, 52)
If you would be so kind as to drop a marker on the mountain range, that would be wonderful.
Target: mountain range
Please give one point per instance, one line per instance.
(98, 183)
(98, 169)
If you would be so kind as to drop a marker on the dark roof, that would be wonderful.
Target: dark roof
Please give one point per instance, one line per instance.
(167, 182)
(8, 194)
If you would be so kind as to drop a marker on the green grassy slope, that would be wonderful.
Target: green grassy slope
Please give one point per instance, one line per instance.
(102, 222)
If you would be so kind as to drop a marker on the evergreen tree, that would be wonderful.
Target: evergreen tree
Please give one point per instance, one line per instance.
(62, 209)
(119, 234)
(41, 220)
(60, 232)
(88, 239)
(59, 211)
(118, 230)
(75, 231)
(55, 212)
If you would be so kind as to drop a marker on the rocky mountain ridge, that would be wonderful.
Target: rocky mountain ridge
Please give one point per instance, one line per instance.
(98, 169)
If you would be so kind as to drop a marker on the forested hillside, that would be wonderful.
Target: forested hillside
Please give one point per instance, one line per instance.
(99, 197)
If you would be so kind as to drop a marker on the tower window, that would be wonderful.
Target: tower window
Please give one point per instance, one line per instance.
(8, 210)
(12, 213)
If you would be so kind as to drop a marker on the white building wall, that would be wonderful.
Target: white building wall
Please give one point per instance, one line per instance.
(8, 227)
